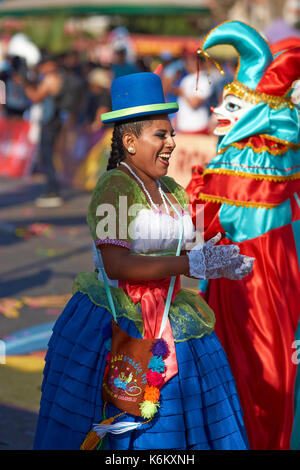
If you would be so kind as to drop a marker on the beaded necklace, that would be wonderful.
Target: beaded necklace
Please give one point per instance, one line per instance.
(162, 194)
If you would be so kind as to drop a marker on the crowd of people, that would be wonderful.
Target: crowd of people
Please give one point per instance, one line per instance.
(67, 88)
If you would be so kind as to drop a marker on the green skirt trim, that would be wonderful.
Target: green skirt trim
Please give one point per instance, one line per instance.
(189, 314)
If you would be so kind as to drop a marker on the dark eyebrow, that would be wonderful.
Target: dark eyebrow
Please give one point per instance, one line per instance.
(165, 130)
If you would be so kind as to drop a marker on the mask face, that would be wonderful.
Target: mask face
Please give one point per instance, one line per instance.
(229, 112)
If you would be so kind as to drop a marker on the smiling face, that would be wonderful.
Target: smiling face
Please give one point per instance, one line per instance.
(229, 112)
(152, 149)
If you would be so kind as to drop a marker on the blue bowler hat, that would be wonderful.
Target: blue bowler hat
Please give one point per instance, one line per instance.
(135, 95)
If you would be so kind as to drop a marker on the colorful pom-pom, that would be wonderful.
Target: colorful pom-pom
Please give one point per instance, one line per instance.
(160, 348)
(151, 393)
(156, 364)
(107, 331)
(155, 379)
(148, 409)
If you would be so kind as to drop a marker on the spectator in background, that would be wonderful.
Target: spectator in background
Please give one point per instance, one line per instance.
(144, 63)
(171, 76)
(99, 100)
(58, 95)
(193, 97)
(71, 62)
(121, 65)
(16, 100)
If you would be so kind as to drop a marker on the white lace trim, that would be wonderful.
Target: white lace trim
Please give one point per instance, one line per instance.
(156, 231)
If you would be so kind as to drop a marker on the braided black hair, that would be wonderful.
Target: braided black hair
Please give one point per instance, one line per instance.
(117, 153)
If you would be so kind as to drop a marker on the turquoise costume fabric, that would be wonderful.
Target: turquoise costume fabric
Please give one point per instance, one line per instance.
(249, 192)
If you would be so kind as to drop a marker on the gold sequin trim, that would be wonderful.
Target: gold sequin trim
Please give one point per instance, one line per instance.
(281, 141)
(245, 174)
(275, 102)
(264, 148)
(218, 199)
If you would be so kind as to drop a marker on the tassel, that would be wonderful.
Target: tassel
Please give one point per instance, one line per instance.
(207, 58)
(93, 439)
(118, 428)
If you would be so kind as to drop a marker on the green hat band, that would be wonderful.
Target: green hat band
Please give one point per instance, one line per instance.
(139, 111)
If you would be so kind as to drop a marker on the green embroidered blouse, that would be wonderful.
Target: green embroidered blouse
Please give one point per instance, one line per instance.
(189, 314)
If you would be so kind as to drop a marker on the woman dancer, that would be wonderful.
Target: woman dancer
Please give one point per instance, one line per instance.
(141, 233)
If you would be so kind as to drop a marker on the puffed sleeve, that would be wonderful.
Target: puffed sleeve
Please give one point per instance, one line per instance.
(114, 205)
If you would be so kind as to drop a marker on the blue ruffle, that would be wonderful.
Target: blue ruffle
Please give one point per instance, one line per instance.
(199, 408)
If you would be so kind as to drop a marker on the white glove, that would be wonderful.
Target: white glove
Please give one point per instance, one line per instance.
(208, 261)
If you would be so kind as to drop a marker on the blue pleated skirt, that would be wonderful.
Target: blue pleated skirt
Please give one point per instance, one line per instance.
(199, 407)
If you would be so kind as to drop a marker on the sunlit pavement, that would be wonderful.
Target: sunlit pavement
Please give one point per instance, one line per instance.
(36, 274)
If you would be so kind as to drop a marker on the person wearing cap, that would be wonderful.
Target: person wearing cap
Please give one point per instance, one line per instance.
(250, 193)
(98, 101)
(121, 65)
(142, 234)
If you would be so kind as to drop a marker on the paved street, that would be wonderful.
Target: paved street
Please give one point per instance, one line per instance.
(34, 267)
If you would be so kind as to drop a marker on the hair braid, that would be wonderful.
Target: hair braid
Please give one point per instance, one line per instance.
(117, 153)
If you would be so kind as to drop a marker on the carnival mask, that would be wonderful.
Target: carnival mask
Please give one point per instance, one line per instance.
(229, 112)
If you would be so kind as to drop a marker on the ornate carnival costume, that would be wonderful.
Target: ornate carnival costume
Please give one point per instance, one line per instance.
(198, 404)
(250, 190)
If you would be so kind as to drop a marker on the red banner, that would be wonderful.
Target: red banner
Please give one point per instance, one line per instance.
(17, 151)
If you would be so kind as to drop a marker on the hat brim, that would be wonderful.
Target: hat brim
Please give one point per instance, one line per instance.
(137, 111)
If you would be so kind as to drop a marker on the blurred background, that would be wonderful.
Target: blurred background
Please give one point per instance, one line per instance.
(57, 61)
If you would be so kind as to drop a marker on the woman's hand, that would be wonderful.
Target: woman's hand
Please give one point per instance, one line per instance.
(208, 261)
